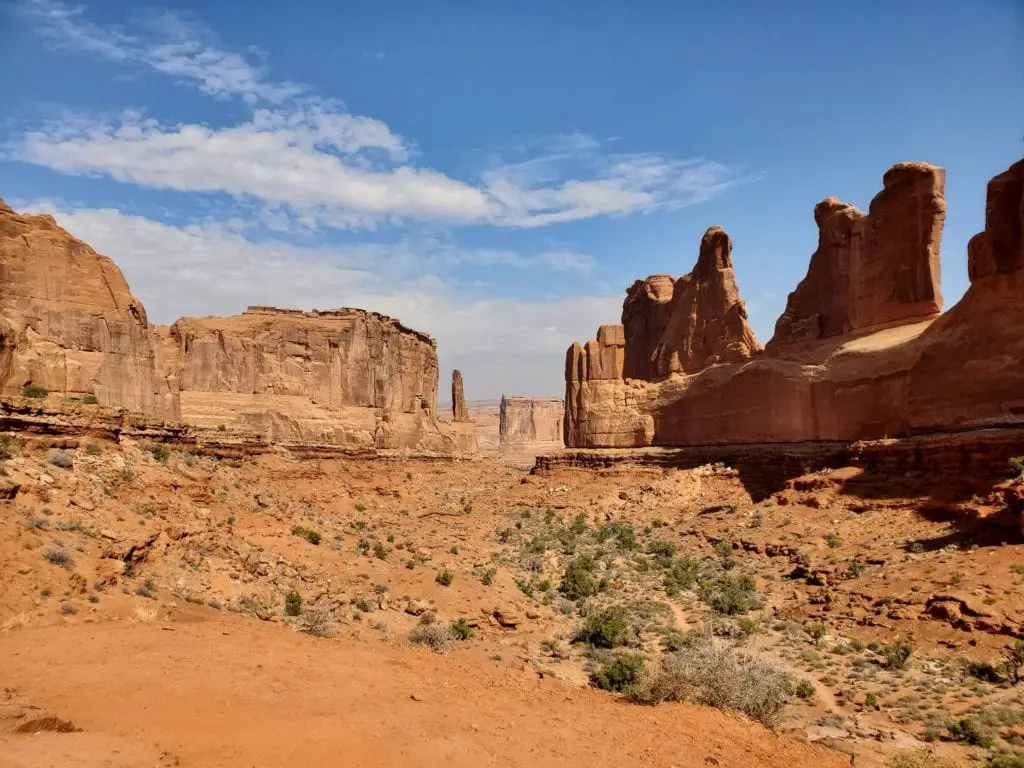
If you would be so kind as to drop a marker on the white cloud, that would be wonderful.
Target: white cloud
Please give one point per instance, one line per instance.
(166, 43)
(501, 345)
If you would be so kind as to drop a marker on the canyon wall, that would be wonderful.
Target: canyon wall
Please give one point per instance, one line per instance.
(530, 420)
(71, 329)
(70, 325)
(860, 352)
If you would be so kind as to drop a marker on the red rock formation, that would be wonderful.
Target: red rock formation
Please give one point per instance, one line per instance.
(873, 361)
(530, 420)
(460, 413)
(69, 323)
(874, 270)
(685, 326)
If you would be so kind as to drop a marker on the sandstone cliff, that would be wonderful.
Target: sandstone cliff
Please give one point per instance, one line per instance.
(344, 376)
(69, 323)
(530, 420)
(871, 270)
(871, 360)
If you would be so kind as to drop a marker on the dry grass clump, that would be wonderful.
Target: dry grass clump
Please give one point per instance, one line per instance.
(719, 676)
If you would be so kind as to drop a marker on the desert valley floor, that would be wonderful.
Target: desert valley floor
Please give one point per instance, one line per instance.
(163, 608)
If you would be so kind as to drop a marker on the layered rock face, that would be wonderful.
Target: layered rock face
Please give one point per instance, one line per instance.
(871, 270)
(69, 323)
(530, 420)
(460, 412)
(343, 376)
(870, 358)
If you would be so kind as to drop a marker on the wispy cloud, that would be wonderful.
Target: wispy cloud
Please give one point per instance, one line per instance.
(310, 163)
(166, 43)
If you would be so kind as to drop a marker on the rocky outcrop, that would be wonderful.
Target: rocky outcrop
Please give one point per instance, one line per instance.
(460, 413)
(346, 376)
(697, 320)
(530, 420)
(872, 360)
(69, 324)
(871, 270)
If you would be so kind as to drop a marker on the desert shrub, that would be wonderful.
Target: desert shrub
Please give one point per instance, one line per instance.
(896, 655)
(6, 446)
(921, 758)
(622, 674)
(380, 551)
(444, 578)
(147, 588)
(816, 630)
(59, 557)
(316, 623)
(731, 594)
(306, 533)
(221, 428)
(682, 574)
(488, 576)
(724, 551)
(435, 636)
(292, 604)
(90, 399)
(38, 522)
(578, 580)
(1002, 760)
(623, 533)
(1017, 465)
(832, 540)
(608, 628)
(159, 452)
(718, 676)
(33, 391)
(662, 549)
(1014, 660)
(62, 459)
(578, 526)
(983, 670)
(461, 630)
(67, 609)
(360, 507)
(969, 731)
(804, 690)
(91, 449)
(673, 640)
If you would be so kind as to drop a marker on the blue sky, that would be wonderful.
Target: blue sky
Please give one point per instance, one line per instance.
(495, 175)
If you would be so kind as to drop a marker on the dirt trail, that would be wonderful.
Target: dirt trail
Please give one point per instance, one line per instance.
(228, 692)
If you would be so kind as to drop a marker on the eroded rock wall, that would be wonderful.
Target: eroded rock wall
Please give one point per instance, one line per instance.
(873, 360)
(530, 420)
(460, 412)
(69, 323)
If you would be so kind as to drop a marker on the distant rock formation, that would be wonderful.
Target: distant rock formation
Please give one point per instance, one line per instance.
(69, 324)
(874, 270)
(460, 413)
(861, 351)
(530, 420)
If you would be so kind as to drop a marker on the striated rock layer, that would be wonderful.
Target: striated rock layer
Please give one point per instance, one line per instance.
(860, 352)
(530, 420)
(69, 324)
(344, 376)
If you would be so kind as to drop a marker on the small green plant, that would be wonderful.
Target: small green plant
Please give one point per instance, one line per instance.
(832, 540)
(816, 630)
(662, 549)
(1013, 661)
(682, 574)
(969, 731)
(90, 399)
(221, 428)
(159, 452)
(6, 446)
(488, 576)
(1017, 465)
(608, 628)
(62, 459)
(91, 449)
(292, 604)
(380, 551)
(871, 701)
(59, 557)
(35, 392)
(917, 547)
(578, 580)
(461, 630)
(306, 533)
(623, 533)
(444, 578)
(731, 595)
(896, 654)
(454, 550)
(360, 507)
(433, 635)
(804, 690)
(622, 674)
(147, 588)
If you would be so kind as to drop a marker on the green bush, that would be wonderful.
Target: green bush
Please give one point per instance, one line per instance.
(306, 533)
(62, 459)
(970, 731)
(461, 630)
(91, 449)
(661, 548)
(623, 533)
(159, 452)
(292, 604)
(1017, 465)
(31, 390)
(445, 578)
(578, 580)
(896, 655)
(622, 674)
(6, 446)
(90, 399)
(609, 628)
(682, 574)
(804, 690)
(488, 576)
(435, 636)
(730, 594)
